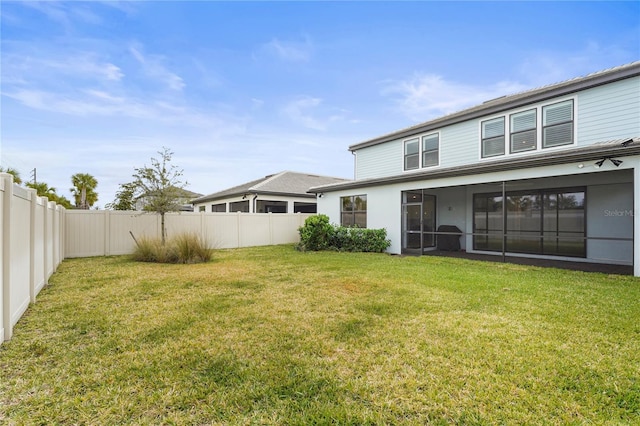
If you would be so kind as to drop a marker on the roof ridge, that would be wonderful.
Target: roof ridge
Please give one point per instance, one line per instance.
(267, 179)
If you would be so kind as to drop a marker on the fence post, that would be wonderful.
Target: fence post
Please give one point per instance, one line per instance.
(32, 244)
(107, 232)
(6, 255)
(45, 202)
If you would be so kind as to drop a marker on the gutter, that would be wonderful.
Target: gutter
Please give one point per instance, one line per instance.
(590, 153)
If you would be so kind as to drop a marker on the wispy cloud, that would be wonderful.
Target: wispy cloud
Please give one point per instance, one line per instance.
(425, 96)
(309, 112)
(153, 66)
(290, 51)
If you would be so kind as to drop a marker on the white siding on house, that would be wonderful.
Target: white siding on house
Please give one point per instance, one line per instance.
(609, 112)
(460, 144)
(380, 160)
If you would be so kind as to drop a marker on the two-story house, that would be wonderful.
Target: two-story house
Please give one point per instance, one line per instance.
(552, 172)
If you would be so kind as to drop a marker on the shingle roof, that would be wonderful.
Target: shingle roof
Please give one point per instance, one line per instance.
(283, 183)
(503, 103)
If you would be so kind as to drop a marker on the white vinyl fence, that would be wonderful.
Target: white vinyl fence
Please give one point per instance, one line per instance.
(31, 230)
(104, 232)
(37, 235)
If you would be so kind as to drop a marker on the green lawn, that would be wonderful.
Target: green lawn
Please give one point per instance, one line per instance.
(273, 336)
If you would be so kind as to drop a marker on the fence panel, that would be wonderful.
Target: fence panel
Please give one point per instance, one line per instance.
(85, 233)
(124, 223)
(38, 267)
(20, 252)
(99, 232)
(30, 249)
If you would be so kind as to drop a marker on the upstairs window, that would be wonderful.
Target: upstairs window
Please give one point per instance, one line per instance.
(412, 154)
(430, 148)
(493, 137)
(557, 124)
(523, 131)
(422, 151)
(353, 211)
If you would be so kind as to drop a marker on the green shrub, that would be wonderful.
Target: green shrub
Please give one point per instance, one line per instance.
(318, 234)
(360, 239)
(184, 248)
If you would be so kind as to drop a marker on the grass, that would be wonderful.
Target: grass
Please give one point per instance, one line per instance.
(271, 335)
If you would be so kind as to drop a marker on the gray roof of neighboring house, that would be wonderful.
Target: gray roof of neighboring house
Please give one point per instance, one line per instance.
(283, 183)
(605, 149)
(503, 103)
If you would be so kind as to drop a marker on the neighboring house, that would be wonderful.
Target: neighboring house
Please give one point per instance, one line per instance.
(284, 192)
(185, 199)
(565, 157)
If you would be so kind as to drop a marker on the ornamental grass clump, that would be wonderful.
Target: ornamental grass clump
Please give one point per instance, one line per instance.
(183, 248)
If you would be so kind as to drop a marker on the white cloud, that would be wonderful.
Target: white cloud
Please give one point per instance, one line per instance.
(299, 111)
(426, 96)
(153, 67)
(290, 51)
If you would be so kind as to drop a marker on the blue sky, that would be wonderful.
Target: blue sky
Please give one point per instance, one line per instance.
(239, 90)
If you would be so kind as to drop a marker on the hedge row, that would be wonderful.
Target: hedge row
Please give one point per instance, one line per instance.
(318, 234)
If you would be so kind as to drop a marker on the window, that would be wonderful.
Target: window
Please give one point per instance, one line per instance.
(425, 149)
(219, 208)
(548, 222)
(523, 131)
(239, 206)
(202, 208)
(430, 146)
(412, 154)
(557, 124)
(299, 207)
(493, 137)
(266, 206)
(353, 211)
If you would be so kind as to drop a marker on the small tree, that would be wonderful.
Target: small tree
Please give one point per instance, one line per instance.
(159, 186)
(125, 198)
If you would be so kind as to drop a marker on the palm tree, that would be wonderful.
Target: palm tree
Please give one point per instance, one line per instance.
(83, 190)
(43, 190)
(14, 172)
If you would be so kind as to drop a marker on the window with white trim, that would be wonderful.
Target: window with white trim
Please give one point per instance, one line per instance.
(493, 137)
(557, 124)
(412, 154)
(523, 132)
(423, 151)
(430, 150)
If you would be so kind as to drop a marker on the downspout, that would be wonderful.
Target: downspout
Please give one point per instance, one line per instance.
(355, 164)
(254, 203)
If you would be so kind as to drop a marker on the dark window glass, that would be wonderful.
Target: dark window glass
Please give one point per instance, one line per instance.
(266, 206)
(305, 207)
(548, 222)
(239, 206)
(412, 154)
(353, 211)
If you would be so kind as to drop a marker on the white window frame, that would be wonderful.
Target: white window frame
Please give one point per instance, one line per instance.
(539, 129)
(419, 138)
